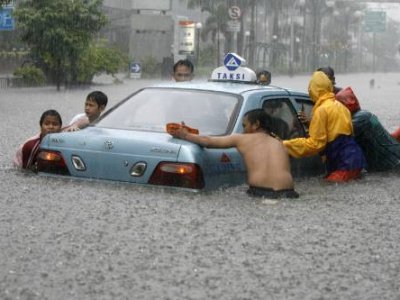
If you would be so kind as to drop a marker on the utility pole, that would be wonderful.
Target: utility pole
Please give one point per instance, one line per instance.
(252, 35)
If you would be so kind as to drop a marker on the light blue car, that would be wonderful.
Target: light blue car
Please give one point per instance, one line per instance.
(130, 143)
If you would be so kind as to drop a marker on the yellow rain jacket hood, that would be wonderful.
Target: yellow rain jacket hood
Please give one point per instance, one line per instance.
(330, 119)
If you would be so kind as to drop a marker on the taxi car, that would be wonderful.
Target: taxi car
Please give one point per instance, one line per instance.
(129, 143)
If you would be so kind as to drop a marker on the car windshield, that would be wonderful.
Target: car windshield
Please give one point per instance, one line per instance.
(151, 109)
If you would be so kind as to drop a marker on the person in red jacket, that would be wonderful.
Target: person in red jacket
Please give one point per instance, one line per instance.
(25, 158)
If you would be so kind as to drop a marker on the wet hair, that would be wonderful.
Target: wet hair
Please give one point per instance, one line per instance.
(52, 113)
(99, 97)
(184, 62)
(267, 74)
(261, 116)
(328, 72)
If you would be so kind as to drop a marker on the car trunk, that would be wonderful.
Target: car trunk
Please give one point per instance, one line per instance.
(112, 154)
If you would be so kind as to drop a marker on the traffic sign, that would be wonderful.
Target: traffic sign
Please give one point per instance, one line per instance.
(135, 70)
(234, 12)
(136, 67)
(6, 19)
(374, 21)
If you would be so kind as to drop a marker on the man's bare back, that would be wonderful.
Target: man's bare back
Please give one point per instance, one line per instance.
(266, 160)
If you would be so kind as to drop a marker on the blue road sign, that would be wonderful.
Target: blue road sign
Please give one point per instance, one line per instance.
(6, 19)
(135, 68)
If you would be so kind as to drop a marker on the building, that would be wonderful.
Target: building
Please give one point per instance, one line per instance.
(147, 29)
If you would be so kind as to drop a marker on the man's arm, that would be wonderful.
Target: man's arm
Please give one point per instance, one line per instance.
(79, 123)
(226, 141)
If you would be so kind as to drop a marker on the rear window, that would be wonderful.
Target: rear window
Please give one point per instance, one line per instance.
(151, 109)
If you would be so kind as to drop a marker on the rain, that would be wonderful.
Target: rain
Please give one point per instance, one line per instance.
(87, 239)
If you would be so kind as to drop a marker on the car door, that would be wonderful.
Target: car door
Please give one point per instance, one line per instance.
(286, 125)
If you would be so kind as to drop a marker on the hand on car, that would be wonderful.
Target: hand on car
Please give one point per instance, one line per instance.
(303, 118)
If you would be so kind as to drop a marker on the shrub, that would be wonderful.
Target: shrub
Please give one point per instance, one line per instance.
(151, 68)
(100, 59)
(31, 75)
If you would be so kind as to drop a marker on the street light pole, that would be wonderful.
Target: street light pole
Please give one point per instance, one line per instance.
(252, 35)
(291, 55)
(318, 9)
(198, 29)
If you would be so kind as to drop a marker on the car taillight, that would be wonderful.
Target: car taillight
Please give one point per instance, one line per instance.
(184, 175)
(51, 162)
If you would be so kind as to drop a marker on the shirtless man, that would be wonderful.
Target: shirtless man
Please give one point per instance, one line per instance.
(266, 159)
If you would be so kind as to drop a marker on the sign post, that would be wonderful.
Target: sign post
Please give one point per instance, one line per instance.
(234, 24)
(186, 38)
(374, 21)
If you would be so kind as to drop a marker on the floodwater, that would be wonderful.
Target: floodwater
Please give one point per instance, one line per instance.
(71, 239)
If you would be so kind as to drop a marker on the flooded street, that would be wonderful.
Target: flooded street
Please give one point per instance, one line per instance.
(74, 239)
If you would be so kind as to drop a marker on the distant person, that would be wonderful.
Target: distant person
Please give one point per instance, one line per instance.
(331, 75)
(25, 158)
(372, 83)
(95, 104)
(264, 77)
(330, 133)
(265, 157)
(183, 70)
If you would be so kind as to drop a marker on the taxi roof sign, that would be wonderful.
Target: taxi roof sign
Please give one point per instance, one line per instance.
(234, 70)
(232, 61)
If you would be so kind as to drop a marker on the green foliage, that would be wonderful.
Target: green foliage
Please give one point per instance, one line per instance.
(99, 59)
(31, 75)
(58, 32)
(4, 2)
(208, 56)
(151, 68)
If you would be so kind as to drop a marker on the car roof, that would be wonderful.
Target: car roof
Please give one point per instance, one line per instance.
(228, 87)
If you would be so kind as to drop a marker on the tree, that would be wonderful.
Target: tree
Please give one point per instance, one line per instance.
(98, 59)
(59, 32)
(4, 2)
(217, 21)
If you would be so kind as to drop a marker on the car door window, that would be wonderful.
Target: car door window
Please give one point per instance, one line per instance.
(305, 105)
(285, 123)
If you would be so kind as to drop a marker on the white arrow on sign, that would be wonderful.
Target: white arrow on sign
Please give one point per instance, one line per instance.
(135, 68)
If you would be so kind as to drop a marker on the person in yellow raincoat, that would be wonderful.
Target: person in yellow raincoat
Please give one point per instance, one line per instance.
(330, 133)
